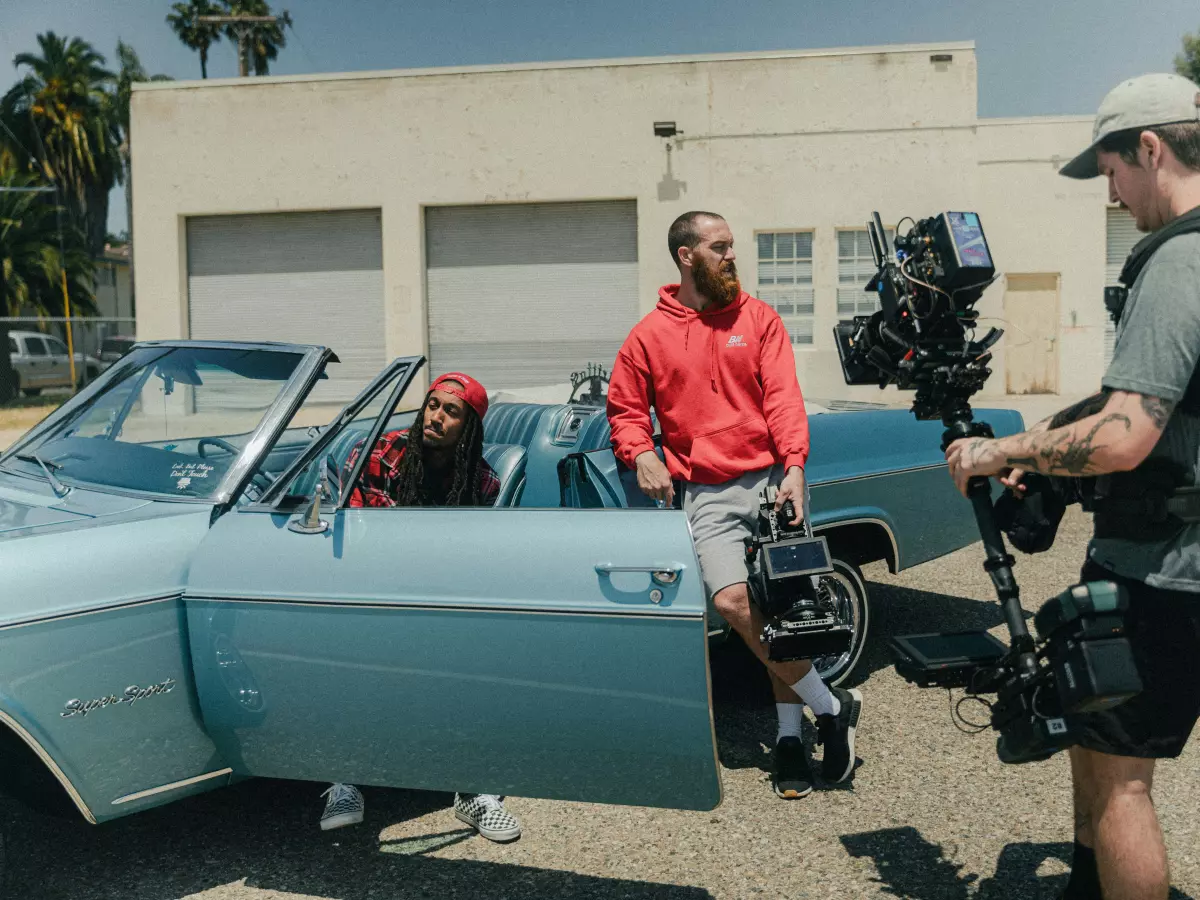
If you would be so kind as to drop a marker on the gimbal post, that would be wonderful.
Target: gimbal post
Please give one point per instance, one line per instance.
(959, 422)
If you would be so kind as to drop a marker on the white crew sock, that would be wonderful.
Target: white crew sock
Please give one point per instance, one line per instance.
(813, 691)
(791, 720)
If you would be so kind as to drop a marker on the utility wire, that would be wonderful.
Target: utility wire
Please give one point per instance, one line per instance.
(303, 49)
(16, 140)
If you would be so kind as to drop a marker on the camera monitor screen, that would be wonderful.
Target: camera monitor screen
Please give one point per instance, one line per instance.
(968, 238)
(952, 649)
(799, 556)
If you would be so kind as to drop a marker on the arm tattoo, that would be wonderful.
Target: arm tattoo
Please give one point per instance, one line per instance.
(1089, 406)
(1061, 451)
(1158, 410)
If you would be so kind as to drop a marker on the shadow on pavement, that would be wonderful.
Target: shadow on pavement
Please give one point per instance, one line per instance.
(743, 708)
(899, 610)
(912, 867)
(264, 834)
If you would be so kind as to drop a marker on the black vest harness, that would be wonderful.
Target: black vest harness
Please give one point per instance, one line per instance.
(1154, 500)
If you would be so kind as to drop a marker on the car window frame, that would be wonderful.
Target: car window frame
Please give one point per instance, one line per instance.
(293, 392)
(30, 341)
(273, 497)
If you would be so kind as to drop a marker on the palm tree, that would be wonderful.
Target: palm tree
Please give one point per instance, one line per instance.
(131, 71)
(264, 41)
(30, 263)
(196, 35)
(64, 109)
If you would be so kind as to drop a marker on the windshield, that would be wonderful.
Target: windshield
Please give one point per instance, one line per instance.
(173, 423)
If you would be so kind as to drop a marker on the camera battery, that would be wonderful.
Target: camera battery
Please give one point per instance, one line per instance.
(1095, 675)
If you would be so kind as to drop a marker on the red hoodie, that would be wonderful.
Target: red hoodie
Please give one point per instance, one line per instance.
(723, 383)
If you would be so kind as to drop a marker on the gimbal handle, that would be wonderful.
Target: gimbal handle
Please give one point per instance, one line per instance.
(999, 561)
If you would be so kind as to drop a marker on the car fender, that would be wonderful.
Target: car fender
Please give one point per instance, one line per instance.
(16, 719)
(871, 518)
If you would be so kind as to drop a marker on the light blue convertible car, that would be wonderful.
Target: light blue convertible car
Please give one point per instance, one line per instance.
(185, 602)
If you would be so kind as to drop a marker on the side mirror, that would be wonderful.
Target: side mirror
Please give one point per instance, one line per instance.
(311, 522)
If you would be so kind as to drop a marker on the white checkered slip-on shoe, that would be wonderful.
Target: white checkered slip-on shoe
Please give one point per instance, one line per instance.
(487, 815)
(343, 806)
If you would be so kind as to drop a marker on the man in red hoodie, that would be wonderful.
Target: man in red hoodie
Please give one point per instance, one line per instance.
(717, 367)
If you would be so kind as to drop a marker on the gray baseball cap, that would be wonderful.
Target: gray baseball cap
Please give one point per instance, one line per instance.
(1142, 102)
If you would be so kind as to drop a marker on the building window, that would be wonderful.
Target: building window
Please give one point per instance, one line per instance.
(785, 280)
(855, 268)
(1121, 235)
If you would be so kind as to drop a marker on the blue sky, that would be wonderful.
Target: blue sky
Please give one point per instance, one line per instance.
(1036, 57)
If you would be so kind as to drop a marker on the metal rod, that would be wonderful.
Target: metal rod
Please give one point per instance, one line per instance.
(999, 562)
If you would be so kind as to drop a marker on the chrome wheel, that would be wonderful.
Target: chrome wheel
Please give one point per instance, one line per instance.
(845, 589)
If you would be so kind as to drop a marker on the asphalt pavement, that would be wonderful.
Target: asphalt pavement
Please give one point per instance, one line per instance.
(931, 813)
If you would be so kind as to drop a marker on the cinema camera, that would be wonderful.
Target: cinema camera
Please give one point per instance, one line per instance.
(922, 338)
(785, 563)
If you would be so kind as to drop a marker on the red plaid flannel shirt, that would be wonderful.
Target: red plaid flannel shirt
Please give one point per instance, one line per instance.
(376, 484)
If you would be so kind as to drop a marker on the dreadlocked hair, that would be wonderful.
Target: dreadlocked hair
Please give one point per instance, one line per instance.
(468, 453)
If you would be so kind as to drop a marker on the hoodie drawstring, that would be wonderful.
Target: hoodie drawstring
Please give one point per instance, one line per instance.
(712, 358)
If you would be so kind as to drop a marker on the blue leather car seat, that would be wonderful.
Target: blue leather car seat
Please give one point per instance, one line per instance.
(596, 434)
(508, 462)
(512, 423)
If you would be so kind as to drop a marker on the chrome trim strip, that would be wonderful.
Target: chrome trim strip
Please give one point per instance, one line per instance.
(49, 762)
(866, 520)
(656, 612)
(124, 604)
(173, 786)
(925, 468)
(275, 346)
(712, 722)
(264, 436)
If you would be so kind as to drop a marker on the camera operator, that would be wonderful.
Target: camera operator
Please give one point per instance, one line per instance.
(718, 368)
(1141, 436)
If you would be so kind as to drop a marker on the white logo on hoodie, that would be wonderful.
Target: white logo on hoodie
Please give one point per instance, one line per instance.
(736, 340)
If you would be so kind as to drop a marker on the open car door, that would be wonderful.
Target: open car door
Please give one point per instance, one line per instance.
(556, 653)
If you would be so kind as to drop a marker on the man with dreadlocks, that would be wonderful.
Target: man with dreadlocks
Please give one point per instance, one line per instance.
(437, 462)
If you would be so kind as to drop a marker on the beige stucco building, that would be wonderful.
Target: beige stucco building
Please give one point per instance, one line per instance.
(512, 219)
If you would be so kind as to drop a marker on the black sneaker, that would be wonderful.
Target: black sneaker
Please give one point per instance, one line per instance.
(836, 735)
(792, 778)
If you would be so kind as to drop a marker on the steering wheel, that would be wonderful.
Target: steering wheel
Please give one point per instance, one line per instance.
(259, 479)
(216, 442)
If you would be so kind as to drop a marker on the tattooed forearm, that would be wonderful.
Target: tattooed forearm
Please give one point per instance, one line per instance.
(1089, 406)
(1065, 451)
(1158, 410)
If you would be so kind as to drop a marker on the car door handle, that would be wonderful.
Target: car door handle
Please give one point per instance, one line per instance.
(660, 573)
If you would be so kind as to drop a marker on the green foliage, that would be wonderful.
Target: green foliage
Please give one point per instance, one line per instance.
(64, 124)
(62, 111)
(265, 41)
(30, 262)
(1187, 63)
(196, 35)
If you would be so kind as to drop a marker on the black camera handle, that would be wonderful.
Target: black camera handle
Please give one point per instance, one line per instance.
(959, 422)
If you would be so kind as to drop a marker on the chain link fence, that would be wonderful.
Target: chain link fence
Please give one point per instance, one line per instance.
(33, 351)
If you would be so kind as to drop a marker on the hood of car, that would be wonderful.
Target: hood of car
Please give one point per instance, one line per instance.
(28, 504)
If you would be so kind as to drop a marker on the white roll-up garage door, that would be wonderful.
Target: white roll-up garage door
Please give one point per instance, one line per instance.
(306, 278)
(526, 294)
(1122, 234)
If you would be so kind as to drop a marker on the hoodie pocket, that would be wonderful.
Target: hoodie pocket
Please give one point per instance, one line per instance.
(731, 448)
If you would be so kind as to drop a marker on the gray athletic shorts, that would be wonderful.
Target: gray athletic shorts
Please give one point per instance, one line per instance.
(721, 515)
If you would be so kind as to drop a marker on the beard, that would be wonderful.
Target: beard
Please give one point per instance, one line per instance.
(718, 283)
